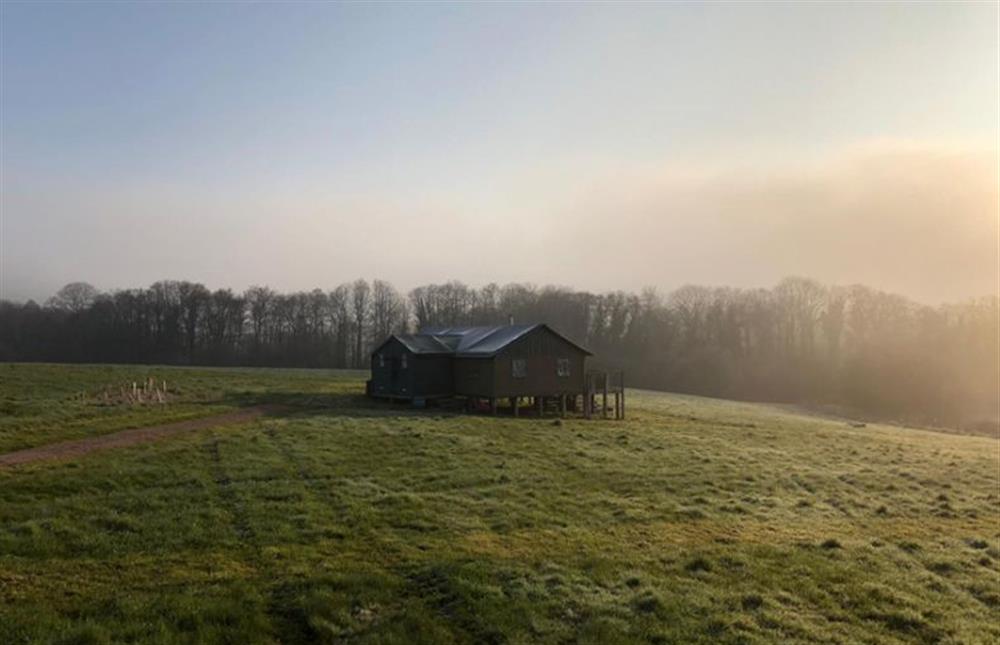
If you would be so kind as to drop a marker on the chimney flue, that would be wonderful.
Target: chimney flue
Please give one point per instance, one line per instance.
(510, 319)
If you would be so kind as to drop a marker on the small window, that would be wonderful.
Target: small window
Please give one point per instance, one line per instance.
(519, 368)
(562, 367)
(381, 360)
(402, 362)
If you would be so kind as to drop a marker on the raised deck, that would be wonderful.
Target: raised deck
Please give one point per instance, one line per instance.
(604, 384)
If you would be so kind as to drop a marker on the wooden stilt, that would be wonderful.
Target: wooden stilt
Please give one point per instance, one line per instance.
(562, 405)
(516, 400)
(540, 405)
(621, 395)
(493, 405)
(604, 408)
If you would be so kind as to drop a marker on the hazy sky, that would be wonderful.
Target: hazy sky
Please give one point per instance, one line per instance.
(594, 146)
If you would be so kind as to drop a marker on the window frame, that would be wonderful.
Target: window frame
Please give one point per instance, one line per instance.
(515, 363)
(563, 367)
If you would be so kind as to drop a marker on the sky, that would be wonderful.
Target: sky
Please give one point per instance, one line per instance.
(595, 146)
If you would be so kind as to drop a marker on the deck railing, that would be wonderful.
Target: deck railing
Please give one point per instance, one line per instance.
(604, 383)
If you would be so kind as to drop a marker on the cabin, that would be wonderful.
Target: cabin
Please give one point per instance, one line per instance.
(481, 364)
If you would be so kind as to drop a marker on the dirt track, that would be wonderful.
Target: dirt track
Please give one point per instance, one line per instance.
(80, 447)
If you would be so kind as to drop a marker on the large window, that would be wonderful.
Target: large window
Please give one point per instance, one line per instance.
(381, 360)
(402, 362)
(519, 368)
(562, 367)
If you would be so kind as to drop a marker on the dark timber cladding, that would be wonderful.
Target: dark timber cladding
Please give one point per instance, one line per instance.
(535, 361)
(410, 367)
(486, 364)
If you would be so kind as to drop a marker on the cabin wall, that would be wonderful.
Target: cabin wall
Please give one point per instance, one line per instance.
(541, 350)
(474, 377)
(433, 376)
(390, 378)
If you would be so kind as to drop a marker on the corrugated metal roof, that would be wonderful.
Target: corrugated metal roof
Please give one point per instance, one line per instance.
(461, 338)
(477, 340)
(484, 341)
(423, 344)
(468, 341)
(494, 340)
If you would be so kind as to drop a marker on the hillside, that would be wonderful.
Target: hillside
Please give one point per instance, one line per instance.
(342, 520)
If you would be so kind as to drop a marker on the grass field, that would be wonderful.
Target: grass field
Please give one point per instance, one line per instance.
(343, 520)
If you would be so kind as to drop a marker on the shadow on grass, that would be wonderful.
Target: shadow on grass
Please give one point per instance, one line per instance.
(347, 404)
(357, 404)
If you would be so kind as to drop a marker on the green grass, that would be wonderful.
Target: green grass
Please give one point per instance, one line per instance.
(345, 521)
(44, 403)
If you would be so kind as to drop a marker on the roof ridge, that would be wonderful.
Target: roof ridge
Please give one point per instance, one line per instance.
(439, 342)
(472, 340)
(499, 328)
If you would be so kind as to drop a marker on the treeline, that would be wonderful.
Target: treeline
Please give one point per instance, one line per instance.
(863, 350)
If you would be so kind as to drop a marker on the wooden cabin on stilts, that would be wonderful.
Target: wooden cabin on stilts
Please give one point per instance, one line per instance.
(523, 369)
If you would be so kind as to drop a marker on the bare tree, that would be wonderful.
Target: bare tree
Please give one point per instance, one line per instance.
(340, 323)
(74, 297)
(260, 301)
(193, 300)
(387, 309)
(360, 304)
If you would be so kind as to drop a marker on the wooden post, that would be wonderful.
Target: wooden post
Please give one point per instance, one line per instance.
(493, 405)
(621, 383)
(604, 410)
(618, 397)
(591, 401)
(562, 405)
(516, 400)
(540, 404)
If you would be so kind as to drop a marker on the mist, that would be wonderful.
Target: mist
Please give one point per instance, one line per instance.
(912, 218)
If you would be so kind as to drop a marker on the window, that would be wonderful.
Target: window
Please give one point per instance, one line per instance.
(381, 360)
(562, 367)
(519, 367)
(402, 361)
